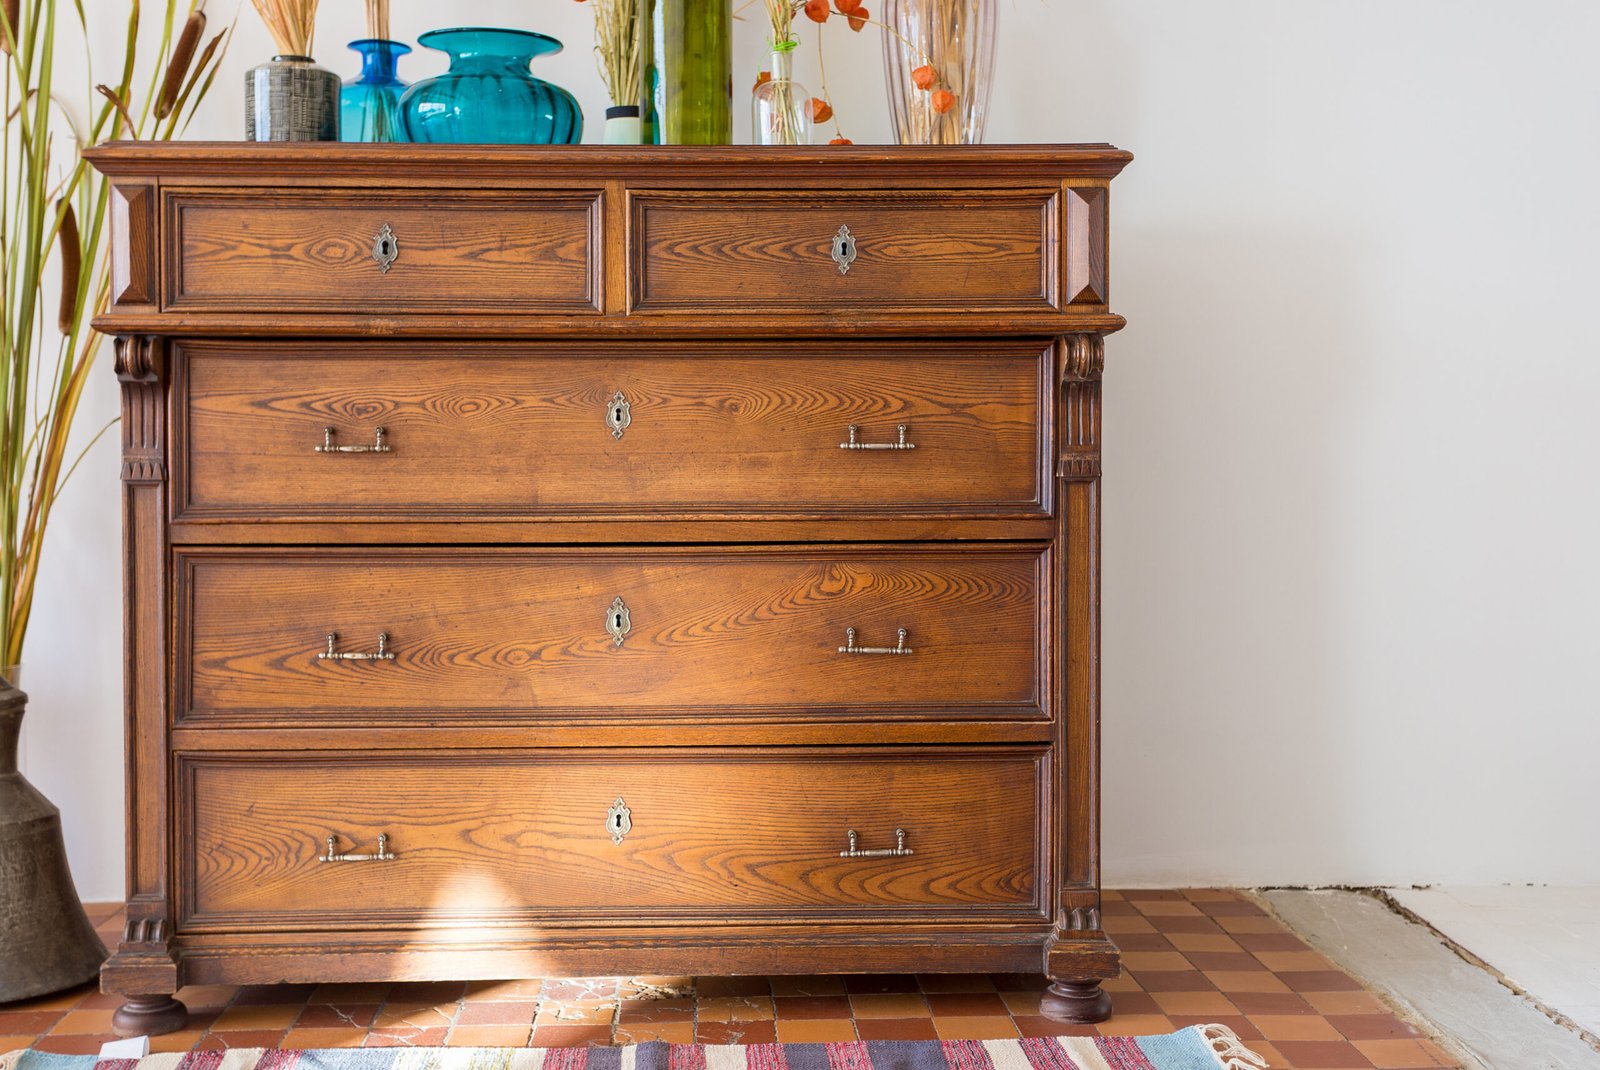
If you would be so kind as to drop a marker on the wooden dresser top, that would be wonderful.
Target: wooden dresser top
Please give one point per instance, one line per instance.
(248, 162)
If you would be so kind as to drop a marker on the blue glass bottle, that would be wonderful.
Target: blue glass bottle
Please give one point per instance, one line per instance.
(369, 104)
(488, 97)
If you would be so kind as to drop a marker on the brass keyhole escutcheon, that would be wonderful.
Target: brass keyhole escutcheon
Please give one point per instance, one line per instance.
(619, 622)
(844, 249)
(619, 820)
(619, 414)
(386, 248)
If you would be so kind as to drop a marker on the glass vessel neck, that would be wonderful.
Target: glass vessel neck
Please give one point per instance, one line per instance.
(489, 49)
(379, 59)
(782, 65)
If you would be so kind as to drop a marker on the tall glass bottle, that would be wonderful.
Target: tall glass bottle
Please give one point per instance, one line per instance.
(688, 72)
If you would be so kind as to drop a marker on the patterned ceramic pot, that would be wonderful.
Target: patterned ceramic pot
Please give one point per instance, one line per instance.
(291, 99)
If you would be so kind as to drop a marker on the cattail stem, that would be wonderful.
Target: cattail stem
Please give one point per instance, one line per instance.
(182, 56)
(12, 9)
(71, 268)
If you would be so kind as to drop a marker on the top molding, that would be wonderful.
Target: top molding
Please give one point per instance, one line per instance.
(255, 162)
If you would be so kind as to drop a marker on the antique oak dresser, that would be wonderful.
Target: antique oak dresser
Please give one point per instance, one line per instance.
(577, 561)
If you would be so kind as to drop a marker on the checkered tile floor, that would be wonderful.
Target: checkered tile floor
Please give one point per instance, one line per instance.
(1191, 956)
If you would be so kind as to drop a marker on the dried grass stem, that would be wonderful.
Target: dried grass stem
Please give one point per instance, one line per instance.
(616, 43)
(292, 24)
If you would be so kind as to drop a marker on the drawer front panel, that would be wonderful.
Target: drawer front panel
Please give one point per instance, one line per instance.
(497, 634)
(816, 252)
(323, 251)
(528, 433)
(610, 835)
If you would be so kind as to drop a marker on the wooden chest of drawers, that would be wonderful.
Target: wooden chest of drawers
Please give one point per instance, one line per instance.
(591, 561)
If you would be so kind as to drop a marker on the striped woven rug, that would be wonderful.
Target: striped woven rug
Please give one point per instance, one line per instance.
(1201, 1047)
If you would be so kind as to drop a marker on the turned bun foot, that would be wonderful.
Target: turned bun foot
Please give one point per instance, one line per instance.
(149, 1016)
(1082, 1002)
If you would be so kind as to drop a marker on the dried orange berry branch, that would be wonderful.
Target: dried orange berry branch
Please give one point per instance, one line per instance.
(855, 13)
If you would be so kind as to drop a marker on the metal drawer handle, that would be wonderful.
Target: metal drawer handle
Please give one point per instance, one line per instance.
(899, 850)
(333, 655)
(383, 854)
(855, 443)
(377, 446)
(851, 648)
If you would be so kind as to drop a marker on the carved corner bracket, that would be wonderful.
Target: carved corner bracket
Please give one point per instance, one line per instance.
(145, 934)
(141, 366)
(143, 962)
(1079, 910)
(1083, 361)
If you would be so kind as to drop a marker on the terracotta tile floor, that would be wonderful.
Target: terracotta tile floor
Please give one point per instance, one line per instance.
(1191, 956)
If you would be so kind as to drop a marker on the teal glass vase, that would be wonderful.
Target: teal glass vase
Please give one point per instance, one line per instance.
(488, 96)
(369, 104)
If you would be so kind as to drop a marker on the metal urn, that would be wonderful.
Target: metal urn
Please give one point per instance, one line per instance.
(49, 943)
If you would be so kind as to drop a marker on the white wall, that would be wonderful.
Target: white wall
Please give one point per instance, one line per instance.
(1351, 510)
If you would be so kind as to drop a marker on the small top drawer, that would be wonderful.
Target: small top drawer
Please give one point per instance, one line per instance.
(370, 251)
(732, 252)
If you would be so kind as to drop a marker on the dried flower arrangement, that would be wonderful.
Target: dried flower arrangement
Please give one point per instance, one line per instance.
(292, 24)
(617, 45)
(378, 19)
(855, 13)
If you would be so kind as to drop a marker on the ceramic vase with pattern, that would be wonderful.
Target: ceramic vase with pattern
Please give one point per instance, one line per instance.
(291, 99)
(46, 940)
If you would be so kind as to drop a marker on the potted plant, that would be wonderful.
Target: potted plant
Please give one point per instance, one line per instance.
(54, 218)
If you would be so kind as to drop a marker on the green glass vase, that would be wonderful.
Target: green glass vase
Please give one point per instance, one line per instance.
(688, 72)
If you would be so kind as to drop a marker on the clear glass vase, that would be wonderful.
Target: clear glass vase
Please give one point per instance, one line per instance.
(779, 113)
(956, 38)
(369, 104)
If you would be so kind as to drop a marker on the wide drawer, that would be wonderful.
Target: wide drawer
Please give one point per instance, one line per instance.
(362, 251)
(533, 431)
(619, 835)
(279, 636)
(806, 251)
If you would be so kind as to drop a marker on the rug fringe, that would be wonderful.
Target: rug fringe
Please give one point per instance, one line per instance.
(1229, 1049)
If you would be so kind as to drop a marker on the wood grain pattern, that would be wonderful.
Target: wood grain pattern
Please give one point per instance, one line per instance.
(714, 834)
(288, 251)
(480, 633)
(521, 431)
(952, 250)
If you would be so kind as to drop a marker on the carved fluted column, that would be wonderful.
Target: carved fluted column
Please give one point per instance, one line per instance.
(1075, 993)
(143, 969)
